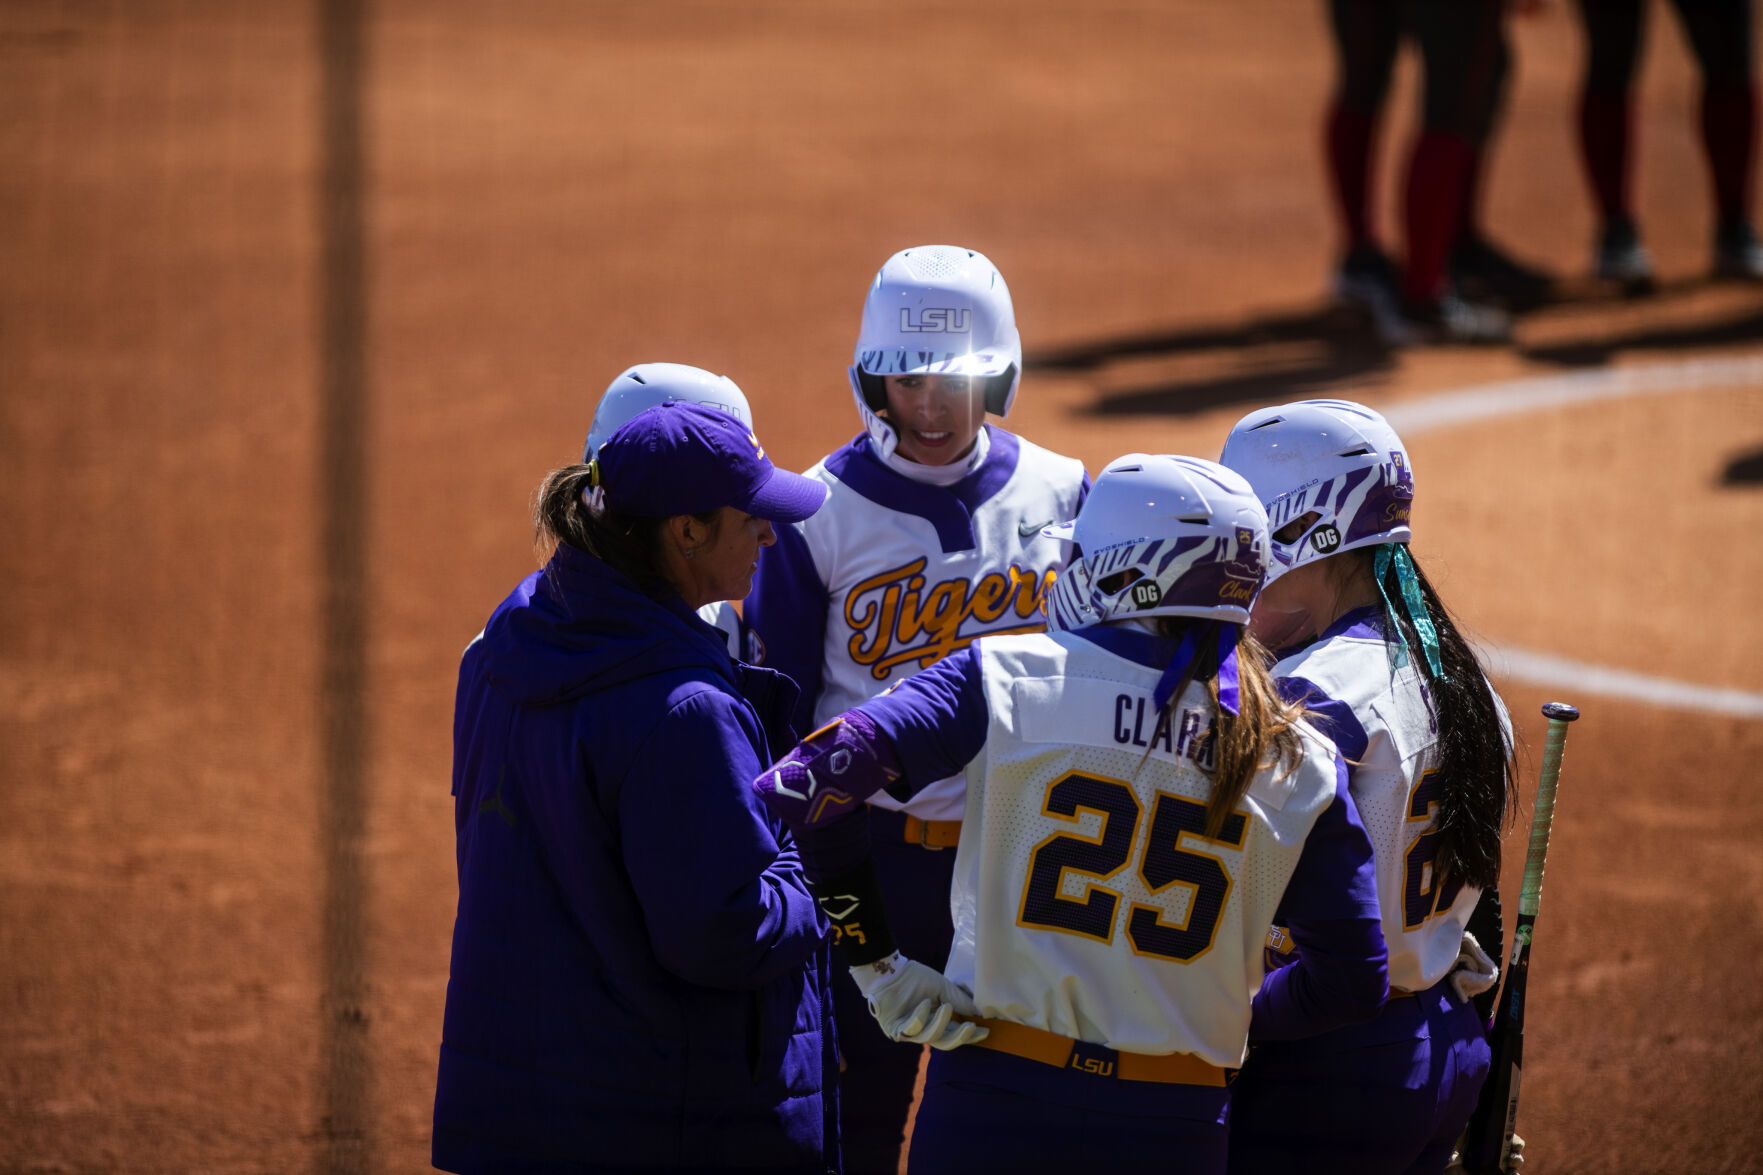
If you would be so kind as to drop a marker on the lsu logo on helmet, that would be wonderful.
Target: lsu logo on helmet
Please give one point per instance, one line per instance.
(936, 320)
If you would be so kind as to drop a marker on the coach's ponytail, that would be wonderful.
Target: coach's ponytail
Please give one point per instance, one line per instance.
(629, 544)
(560, 510)
(1258, 736)
(1476, 773)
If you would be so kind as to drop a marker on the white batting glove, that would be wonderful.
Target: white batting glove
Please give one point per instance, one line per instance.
(1473, 972)
(918, 1004)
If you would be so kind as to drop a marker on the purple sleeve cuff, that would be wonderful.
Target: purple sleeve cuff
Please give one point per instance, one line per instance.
(1341, 973)
(936, 721)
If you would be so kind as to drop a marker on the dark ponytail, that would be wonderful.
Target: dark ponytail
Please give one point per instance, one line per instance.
(1477, 776)
(1260, 734)
(630, 544)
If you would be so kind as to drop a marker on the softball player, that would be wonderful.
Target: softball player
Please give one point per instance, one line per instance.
(932, 535)
(1453, 279)
(1139, 800)
(1362, 638)
(1719, 34)
(646, 385)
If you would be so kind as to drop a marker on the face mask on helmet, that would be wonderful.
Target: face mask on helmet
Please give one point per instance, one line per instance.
(1332, 475)
(1162, 536)
(935, 310)
(642, 387)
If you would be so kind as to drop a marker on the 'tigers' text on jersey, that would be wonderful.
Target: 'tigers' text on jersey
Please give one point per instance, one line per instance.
(894, 619)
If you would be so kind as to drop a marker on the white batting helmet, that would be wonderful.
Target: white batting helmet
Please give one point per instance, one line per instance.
(1332, 474)
(1162, 536)
(936, 310)
(647, 384)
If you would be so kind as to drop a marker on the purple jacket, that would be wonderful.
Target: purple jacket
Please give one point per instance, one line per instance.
(639, 975)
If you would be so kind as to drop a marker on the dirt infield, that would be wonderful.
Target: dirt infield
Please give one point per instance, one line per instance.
(298, 303)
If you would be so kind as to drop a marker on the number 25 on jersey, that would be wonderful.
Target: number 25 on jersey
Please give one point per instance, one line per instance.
(1162, 863)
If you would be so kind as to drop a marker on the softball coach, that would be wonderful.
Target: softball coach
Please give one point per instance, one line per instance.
(639, 975)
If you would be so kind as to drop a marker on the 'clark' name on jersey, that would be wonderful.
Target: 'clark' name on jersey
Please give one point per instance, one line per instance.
(894, 620)
(1194, 735)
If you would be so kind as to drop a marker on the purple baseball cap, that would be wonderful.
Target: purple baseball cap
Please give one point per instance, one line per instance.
(685, 458)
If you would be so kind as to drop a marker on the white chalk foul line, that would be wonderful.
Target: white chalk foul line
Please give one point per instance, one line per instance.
(1534, 394)
(1581, 677)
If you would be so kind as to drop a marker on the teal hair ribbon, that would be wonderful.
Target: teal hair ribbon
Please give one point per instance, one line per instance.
(1397, 554)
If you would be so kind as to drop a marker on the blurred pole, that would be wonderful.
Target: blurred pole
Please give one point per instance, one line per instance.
(345, 1078)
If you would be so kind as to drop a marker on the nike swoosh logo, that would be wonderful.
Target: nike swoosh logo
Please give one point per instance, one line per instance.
(1030, 529)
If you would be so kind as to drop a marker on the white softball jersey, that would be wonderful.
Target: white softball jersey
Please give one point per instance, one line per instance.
(1391, 751)
(891, 575)
(722, 615)
(1087, 900)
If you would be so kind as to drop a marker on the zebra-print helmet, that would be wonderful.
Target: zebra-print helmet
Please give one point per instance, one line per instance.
(1162, 536)
(1332, 474)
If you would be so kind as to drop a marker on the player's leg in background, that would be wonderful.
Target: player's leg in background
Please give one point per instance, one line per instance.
(1366, 34)
(875, 1094)
(1719, 32)
(1460, 48)
(1480, 270)
(1613, 30)
(871, 1070)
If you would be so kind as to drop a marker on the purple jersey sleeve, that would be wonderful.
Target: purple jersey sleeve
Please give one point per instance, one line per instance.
(786, 610)
(1341, 974)
(935, 719)
(1335, 719)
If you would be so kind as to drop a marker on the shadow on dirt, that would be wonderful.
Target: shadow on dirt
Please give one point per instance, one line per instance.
(1744, 326)
(1326, 349)
(1744, 470)
(1268, 358)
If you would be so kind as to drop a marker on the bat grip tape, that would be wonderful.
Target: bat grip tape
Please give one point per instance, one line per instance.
(1530, 895)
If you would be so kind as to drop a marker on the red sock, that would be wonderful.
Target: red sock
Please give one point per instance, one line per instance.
(1605, 133)
(1728, 118)
(1351, 137)
(1435, 190)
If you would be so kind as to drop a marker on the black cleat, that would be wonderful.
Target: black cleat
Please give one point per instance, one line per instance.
(1453, 320)
(1621, 258)
(1483, 272)
(1367, 281)
(1738, 253)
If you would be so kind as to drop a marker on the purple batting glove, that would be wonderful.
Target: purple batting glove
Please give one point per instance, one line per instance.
(830, 773)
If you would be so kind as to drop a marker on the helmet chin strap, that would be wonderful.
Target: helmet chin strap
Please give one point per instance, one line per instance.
(881, 433)
(1225, 657)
